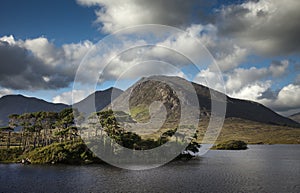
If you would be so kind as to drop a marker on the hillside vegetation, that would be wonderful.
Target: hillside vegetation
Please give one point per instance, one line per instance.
(49, 137)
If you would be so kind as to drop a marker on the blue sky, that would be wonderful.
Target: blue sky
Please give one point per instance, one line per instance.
(255, 44)
(59, 21)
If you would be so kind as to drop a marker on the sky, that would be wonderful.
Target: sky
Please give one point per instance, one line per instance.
(255, 43)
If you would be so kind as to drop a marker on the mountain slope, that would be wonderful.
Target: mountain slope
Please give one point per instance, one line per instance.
(98, 100)
(148, 90)
(18, 104)
(295, 117)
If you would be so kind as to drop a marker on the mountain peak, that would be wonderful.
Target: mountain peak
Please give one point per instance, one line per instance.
(154, 88)
(98, 100)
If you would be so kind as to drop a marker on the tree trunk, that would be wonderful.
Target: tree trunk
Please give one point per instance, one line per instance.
(34, 140)
(8, 140)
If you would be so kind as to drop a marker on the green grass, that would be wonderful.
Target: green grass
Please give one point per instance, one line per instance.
(67, 153)
(140, 113)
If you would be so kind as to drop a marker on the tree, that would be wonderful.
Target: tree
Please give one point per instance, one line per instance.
(8, 130)
(46, 122)
(93, 122)
(65, 123)
(129, 140)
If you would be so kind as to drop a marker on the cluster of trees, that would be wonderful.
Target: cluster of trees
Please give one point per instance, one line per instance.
(109, 124)
(40, 129)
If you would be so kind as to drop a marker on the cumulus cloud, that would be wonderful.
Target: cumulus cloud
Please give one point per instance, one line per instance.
(167, 54)
(252, 91)
(114, 15)
(279, 68)
(227, 54)
(256, 84)
(36, 64)
(288, 98)
(241, 77)
(269, 27)
(259, 90)
(210, 79)
(230, 59)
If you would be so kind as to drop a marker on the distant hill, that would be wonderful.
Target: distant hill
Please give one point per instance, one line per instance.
(295, 117)
(148, 90)
(19, 104)
(98, 100)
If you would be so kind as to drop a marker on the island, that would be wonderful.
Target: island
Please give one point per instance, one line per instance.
(53, 138)
(231, 145)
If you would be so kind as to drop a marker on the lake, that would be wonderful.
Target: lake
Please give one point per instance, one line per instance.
(261, 168)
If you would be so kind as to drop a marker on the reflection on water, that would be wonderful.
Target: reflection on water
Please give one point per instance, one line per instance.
(261, 168)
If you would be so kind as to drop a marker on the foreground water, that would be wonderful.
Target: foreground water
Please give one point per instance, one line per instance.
(261, 168)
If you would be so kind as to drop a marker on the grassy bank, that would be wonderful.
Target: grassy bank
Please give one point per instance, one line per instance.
(10, 155)
(65, 153)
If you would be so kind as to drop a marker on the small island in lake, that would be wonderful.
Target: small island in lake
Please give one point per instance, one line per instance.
(52, 138)
(231, 145)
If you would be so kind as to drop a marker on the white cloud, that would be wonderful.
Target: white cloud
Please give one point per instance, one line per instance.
(288, 98)
(279, 68)
(66, 97)
(241, 77)
(252, 91)
(256, 84)
(175, 49)
(210, 79)
(227, 54)
(114, 15)
(43, 49)
(228, 61)
(5, 91)
(36, 64)
(9, 39)
(269, 27)
(51, 67)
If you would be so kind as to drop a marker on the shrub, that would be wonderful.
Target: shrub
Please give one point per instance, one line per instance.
(231, 145)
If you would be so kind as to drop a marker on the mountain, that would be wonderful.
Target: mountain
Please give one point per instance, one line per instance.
(98, 100)
(154, 88)
(256, 112)
(18, 104)
(145, 92)
(295, 117)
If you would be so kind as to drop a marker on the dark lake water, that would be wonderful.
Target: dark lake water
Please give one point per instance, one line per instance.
(261, 168)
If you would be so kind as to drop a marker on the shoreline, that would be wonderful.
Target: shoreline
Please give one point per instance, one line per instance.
(101, 162)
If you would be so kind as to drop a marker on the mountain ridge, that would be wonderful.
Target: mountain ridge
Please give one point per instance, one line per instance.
(295, 117)
(19, 104)
(238, 108)
(245, 109)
